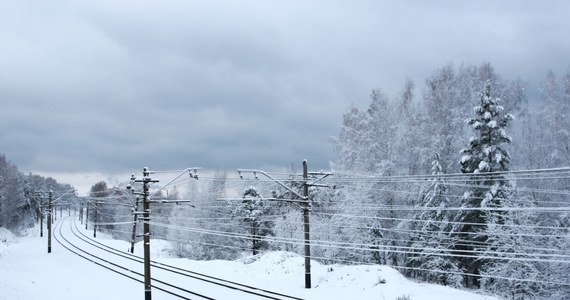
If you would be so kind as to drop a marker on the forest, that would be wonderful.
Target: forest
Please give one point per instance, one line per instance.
(463, 181)
(23, 197)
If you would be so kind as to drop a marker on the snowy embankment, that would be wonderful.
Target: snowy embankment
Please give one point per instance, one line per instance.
(27, 271)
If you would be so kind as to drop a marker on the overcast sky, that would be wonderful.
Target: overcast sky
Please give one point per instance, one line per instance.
(108, 86)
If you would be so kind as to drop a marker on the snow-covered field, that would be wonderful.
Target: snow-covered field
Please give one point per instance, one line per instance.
(27, 271)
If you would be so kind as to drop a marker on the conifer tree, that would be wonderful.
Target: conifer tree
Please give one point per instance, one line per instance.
(485, 156)
(251, 211)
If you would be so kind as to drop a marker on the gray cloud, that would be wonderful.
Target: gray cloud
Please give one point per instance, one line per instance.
(110, 86)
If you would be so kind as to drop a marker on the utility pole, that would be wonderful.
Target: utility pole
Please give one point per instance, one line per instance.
(146, 181)
(95, 219)
(306, 226)
(96, 216)
(49, 220)
(86, 213)
(81, 213)
(41, 217)
(146, 229)
(133, 235)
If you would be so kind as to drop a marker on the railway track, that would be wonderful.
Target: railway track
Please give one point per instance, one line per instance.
(165, 278)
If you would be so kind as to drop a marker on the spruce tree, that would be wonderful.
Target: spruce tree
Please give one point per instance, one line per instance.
(251, 211)
(485, 158)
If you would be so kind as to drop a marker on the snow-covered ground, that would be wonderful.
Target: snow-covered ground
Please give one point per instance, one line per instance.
(27, 271)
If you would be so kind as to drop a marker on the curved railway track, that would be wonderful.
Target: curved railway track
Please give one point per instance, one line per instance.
(203, 286)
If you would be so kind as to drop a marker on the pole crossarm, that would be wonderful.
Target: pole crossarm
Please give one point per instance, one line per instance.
(305, 198)
(42, 193)
(187, 170)
(314, 182)
(170, 201)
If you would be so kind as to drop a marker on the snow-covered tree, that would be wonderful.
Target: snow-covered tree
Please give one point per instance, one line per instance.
(19, 202)
(514, 270)
(204, 229)
(380, 136)
(368, 144)
(444, 106)
(446, 102)
(13, 204)
(554, 115)
(414, 144)
(395, 136)
(430, 242)
(251, 211)
(485, 156)
(367, 140)
(215, 216)
(349, 144)
(288, 228)
(185, 243)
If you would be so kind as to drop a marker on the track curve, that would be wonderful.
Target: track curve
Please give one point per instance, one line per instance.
(127, 264)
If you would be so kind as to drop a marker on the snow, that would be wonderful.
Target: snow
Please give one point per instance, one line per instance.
(503, 133)
(465, 158)
(498, 157)
(6, 237)
(483, 166)
(27, 271)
